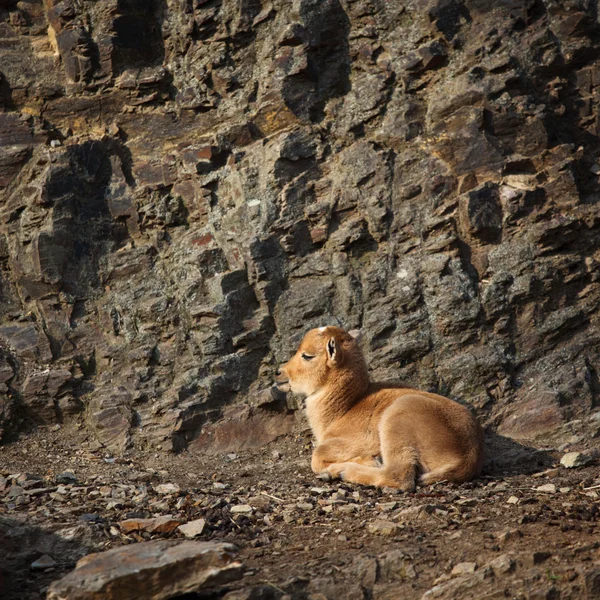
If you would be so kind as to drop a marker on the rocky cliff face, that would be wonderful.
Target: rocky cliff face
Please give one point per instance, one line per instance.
(189, 185)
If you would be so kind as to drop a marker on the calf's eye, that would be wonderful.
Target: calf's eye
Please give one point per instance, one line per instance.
(307, 356)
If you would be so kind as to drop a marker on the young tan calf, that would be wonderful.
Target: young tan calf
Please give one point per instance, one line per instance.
(357, 423)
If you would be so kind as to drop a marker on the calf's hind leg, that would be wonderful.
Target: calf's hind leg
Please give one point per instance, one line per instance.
(398, 450)
(400, 459)
(400, 474)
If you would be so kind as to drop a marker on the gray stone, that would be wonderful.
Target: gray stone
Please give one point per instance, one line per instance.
(43, 562)
(192, 529)
(66, 477)
(573, 460)
(385, 528)
(548, 488)
(243, 509)
(163, 569)
(503, 564)
(167, 488)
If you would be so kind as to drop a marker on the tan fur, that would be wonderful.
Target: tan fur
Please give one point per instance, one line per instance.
(377, 434)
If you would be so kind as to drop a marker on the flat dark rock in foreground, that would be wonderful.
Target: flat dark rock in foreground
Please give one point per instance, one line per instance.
(151, 570)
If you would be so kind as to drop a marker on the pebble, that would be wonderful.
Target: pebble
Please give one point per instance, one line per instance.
(573, 460)
(348, 508)
(43, 562)
(242, 508)
(163, 524)
(105, 490)
(549, 488)
(304, 506)
(503, 564)
(512, 500)
(14, 491)
(28, 480)
(168, 488)
(193, 528)
(511, 534)
(91, 518)
(409, 513)
(383, 528)
(261, 502)
(66, 477)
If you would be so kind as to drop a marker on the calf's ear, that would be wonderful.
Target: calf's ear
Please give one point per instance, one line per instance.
(333, 352)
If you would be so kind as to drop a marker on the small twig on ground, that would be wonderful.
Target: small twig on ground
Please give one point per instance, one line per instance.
(273, 497)
(276, 587)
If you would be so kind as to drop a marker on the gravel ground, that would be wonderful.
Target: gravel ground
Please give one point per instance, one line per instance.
(528, 528)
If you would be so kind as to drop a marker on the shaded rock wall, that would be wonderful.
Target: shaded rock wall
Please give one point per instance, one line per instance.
(189, 185)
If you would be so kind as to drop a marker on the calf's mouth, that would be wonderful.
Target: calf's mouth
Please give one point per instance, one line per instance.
(283, 386)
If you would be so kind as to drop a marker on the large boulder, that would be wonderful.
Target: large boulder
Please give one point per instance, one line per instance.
(162, 569)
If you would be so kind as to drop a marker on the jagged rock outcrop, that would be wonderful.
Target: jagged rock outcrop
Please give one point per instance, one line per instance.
(188, 185)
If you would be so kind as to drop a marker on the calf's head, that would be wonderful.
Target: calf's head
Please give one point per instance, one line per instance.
(325, 356)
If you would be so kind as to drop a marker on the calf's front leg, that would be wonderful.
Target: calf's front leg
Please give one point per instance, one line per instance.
(335, 450)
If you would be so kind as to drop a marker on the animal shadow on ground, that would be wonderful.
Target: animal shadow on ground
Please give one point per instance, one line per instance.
(506, 457)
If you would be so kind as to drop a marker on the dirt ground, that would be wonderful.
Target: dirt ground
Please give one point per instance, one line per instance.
(528, 528)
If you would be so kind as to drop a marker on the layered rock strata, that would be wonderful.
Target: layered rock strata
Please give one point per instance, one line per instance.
(188, 185)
